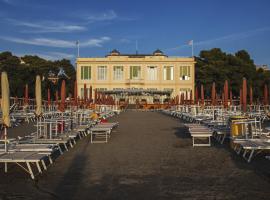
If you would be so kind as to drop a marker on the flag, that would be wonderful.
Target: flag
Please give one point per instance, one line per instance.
(190, 42)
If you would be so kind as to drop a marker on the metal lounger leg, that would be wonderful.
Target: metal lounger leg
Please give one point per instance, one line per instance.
(50, 159)
(38, 166)
(223, 139)
(91, 134)
(43, 164)
(65, 145)
(251, 155)
(30, 170)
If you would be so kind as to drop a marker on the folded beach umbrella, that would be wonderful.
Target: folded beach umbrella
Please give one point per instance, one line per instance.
(177, 99)
(190, 97)
(250, 95)
(196, 95)
(63, 96)
(226, 93)
(84, 93)
(231, 98)
(244, 90)
(49, 96)
(26, 97)
(5, 99)
(75, 94)
(213, 94)
(186, 97)
(91, 94)
(95, 98)
(265, 94)
(38, 111)
(56, 97)
(202, 95)
(5, 104)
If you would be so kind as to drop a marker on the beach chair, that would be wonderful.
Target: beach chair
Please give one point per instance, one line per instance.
(27, 158)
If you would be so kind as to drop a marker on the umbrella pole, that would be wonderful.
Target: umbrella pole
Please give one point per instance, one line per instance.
(6, 148)
(5, 134)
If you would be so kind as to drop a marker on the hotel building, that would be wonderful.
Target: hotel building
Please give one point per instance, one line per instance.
(144, 72)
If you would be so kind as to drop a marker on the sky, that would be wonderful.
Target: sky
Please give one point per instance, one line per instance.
(50, 28)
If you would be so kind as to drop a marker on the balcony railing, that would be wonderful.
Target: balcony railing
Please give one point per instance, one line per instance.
(135, 81)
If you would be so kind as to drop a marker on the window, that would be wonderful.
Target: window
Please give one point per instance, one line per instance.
(102, 73)
(168, 73)
(118, 73)
(184, 73)
(135, 72)
(152, 73)
(85, 72)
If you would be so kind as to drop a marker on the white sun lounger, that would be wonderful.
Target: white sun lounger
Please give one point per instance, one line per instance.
(250, 146)
(27, 158)
(200, 132)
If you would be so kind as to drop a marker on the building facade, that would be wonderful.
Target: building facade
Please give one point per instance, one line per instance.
(155, 71)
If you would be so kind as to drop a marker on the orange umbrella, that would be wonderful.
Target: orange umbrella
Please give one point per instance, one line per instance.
(202, 95)
(84, 93)
(250, 95)
(75, 94)
(265, 95)
(226, 94)
(231, 98)
(177, 99)
(63, 96)
(96, 96)
(190, 97)
(186, 98)
(244, 90)
(213, 94)
(90, 94)
(26, 97)
(56, 97)
(196, 95)
(49, 97)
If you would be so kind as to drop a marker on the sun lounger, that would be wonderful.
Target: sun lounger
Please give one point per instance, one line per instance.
(27, 158)
(250, 146)
(200, 132)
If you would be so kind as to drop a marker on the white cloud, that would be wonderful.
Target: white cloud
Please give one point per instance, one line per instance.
(47, 26)
(105, 16)
(95, 42)
(226, 38)
(49, 55)
(11, 2)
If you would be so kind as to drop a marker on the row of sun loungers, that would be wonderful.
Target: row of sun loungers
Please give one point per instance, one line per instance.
(34, 154)
(204, 126)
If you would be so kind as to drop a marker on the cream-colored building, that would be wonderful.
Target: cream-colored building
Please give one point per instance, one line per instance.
(155, 71)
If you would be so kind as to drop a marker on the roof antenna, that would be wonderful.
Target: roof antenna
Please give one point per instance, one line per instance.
(136, 47)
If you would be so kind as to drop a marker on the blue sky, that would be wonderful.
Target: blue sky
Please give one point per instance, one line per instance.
(50, 28)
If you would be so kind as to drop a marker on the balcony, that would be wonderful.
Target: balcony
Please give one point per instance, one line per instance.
(137, 81)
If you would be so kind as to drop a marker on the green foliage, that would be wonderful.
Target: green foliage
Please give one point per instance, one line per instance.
(23, 71)
(217, 66)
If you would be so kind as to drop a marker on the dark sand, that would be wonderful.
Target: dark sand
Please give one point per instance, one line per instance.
(148, 157)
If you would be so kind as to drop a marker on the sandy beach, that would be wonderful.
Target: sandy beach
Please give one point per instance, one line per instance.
(150, 156)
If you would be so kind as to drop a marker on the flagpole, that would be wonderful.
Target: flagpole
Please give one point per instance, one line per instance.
(78, 49)
(192, 49)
